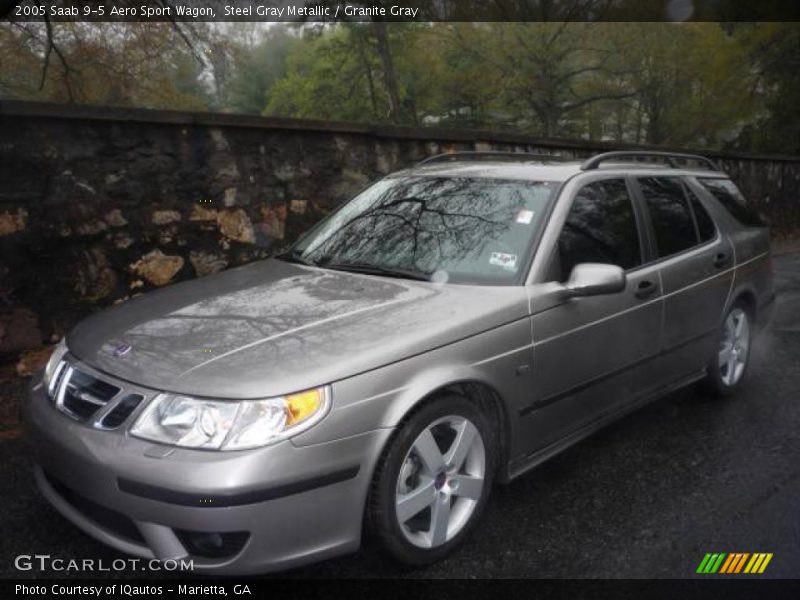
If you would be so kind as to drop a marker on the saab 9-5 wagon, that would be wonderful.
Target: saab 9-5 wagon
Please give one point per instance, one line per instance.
(450, 327)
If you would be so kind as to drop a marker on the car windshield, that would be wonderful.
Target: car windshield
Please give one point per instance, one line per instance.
(458, 230)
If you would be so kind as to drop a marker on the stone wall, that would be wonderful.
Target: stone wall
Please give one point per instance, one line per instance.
(100, 204)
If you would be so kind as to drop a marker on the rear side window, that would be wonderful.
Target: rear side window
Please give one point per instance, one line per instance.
(705, 225)
(732, 199)
(601, 227)
(670, 213)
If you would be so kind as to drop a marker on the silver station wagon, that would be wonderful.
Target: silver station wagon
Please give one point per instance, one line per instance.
(449, 328)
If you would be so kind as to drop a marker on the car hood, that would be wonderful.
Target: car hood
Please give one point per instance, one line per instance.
(271, 328)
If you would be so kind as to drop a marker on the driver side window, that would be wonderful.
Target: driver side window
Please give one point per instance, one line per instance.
(600, 228)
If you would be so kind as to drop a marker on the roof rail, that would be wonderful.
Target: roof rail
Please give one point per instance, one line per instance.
(488, 155)
(671, 158)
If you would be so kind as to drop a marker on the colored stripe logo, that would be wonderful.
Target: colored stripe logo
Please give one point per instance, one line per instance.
(734, 563)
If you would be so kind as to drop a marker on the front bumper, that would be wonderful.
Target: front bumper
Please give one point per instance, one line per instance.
(282, 505)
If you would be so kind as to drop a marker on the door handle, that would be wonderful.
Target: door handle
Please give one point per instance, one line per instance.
(721, 259)
(645, 288)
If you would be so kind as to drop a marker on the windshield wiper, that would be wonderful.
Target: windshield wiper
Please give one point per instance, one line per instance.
(294, 256)
(370, 269)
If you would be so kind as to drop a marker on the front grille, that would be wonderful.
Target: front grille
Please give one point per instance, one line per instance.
(117, 415)
(58, 376)
(81, 395)
(108, 519)
(86, 396)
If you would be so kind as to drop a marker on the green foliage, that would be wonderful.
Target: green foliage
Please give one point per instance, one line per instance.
(774, 52)
(258, 68)
(691, 83)
(103, 63)
(661, 83)
(186, 75)
(686, 84)
(327, 78)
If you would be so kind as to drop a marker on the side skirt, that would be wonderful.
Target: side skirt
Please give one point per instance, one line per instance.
(524, 464)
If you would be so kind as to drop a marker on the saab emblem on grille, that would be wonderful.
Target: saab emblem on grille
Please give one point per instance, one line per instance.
(121, 349)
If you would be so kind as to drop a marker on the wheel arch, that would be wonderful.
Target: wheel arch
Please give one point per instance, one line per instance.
(748, 298)
(470, 385)
(745, 295)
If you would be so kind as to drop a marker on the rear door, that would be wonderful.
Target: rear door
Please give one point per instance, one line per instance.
(695, 262)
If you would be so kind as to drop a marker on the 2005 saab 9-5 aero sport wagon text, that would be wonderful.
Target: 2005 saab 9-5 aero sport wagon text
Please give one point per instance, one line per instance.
(450, 327)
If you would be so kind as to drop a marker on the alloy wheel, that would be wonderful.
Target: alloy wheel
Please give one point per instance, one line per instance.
(734, 347)
(440, 481)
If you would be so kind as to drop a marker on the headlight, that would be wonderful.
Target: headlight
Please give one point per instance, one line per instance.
(52, 365)
(229, 424)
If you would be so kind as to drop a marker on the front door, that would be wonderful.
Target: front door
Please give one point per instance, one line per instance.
(589, 351)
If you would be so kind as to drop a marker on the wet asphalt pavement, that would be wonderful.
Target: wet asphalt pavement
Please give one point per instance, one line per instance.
(646, 497)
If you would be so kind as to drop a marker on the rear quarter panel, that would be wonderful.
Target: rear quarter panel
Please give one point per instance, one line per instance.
(753, 275)
(751, 245)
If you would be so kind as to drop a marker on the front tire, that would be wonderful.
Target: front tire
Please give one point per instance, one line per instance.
(727, 368)
(432, 482)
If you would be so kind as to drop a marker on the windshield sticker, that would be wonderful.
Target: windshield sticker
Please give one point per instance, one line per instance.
(525, 216)
(507, 261)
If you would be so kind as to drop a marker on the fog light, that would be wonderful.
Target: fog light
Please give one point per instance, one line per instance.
(213, 544)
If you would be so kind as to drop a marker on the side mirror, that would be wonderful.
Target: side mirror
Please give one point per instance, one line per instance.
(592, 279)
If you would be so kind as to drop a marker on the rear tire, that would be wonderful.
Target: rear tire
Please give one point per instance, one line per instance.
(432, 481)
(727, 367)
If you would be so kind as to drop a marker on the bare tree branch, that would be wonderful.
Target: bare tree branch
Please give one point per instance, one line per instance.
(176, 25)
(48, 52)
(596, 98)
(50, 47)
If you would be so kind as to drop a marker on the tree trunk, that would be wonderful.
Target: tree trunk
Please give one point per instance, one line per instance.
(655, 130)
(389, 77)
(364, 58)
(549, 118)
